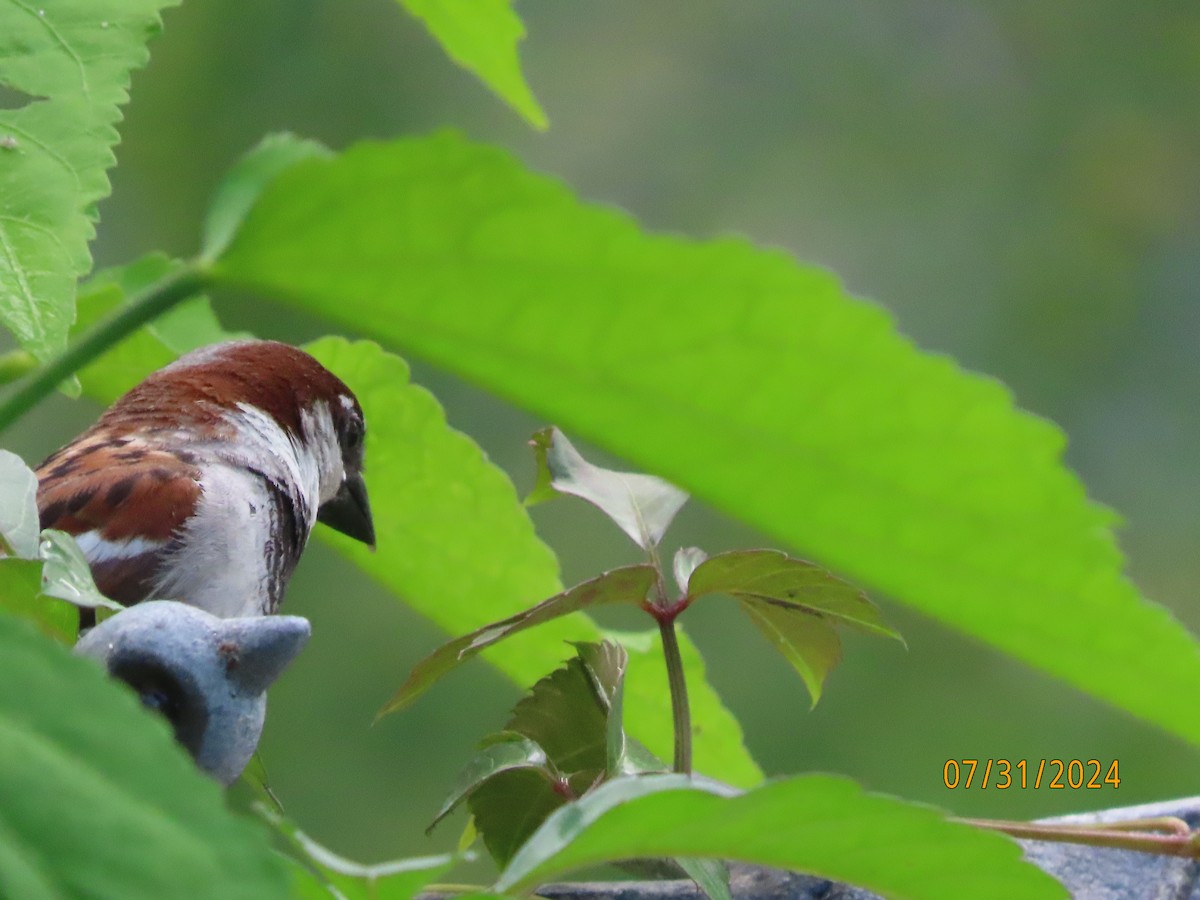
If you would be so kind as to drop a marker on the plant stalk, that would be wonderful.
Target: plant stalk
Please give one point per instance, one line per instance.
(146, 305)
(681, 715)
(1167, 836)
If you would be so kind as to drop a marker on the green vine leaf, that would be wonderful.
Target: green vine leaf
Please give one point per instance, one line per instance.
(99, 800)
(812, 823)
(482, 37)
(505, 752)
(73, 62)
(794, 603)
(630, 584)
(771, 399)
(641, 505)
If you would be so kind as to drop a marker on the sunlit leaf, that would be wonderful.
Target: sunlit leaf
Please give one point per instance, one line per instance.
(777, 398)
(70, 64)
(19, 526)
(513, 751)
(482, 37)
(818, 824)
(626, 585)
(641, 505)
(244, 183)
(97, 798)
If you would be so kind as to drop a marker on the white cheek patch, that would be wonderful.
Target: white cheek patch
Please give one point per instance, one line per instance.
(98, 550)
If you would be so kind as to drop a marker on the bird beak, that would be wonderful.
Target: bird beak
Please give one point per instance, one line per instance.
(349, 511)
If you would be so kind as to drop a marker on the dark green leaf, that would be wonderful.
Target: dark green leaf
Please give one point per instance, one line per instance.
(241, 188)
(777, 398)
(509, 808)
(97, 799)
(787, 583)
(626, 585)
(805, 640)
(568, 713)
(605, 664)
(641, 505)
(75, 59)
(819, 824)
(512, 751)
(794, 603)
(19, 526)
(482, 37)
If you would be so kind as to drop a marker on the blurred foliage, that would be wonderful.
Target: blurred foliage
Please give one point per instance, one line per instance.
(1017, 184)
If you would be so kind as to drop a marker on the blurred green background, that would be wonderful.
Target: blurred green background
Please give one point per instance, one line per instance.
(1017, 182)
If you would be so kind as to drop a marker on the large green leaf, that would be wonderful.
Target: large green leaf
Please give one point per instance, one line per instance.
(482, 37)
(455, 542)
(75, 59)
(817, 824)
(96, 798)
(751, 381)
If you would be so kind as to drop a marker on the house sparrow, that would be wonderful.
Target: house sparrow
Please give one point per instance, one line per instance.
(203, 483)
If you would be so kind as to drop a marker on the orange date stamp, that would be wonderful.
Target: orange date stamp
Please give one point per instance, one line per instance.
(1030, 774)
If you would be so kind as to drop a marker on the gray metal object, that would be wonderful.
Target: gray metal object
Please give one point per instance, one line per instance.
(208, 676)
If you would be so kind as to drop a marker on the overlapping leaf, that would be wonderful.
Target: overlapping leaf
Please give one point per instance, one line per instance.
(73, 60)
(816, 824)
(754, 383)
(97, 799)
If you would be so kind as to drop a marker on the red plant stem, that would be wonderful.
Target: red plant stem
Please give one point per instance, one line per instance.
(1168, 836)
